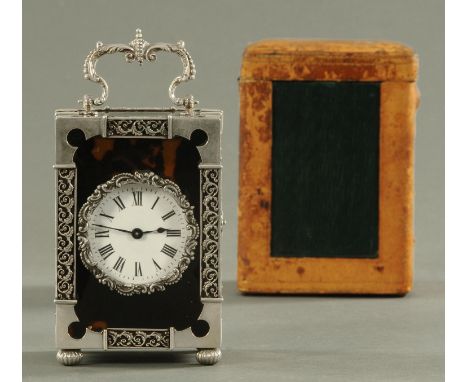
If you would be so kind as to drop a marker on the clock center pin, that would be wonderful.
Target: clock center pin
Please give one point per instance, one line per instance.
(137, 233)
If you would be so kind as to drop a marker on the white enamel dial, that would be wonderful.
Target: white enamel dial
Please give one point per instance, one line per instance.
(137, 233)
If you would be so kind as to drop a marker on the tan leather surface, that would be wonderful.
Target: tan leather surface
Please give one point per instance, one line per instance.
(328, 61)
(392, 271)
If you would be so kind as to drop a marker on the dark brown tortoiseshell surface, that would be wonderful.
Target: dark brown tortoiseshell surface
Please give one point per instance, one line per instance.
(98, 160)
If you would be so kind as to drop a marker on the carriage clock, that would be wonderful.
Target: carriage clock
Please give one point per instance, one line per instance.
(138, 220)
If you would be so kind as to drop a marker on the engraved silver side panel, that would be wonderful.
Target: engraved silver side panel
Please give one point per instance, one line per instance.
(142, 127)
(124, 338)
(66, 232)
(210, 225)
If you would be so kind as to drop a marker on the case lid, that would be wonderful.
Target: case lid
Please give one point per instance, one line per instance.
(328, 61)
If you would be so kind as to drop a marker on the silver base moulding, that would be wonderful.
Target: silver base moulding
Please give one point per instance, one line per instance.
(204, 357)
(69, 357)
(208, 356)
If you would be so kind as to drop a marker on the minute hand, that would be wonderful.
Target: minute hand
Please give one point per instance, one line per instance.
(116, 229)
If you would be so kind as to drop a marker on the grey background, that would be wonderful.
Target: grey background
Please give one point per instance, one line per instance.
(288, 338)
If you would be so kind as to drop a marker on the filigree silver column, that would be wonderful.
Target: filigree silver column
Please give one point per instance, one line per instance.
(65, 289)
(210, 226)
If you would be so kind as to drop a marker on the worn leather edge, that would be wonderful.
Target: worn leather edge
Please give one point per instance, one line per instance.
(300, 60)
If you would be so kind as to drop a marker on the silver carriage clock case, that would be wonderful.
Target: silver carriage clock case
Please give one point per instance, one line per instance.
(138, 220)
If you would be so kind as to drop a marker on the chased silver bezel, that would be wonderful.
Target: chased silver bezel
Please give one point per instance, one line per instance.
(117, 181)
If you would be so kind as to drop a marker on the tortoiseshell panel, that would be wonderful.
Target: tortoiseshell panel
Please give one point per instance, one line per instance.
(97, 160)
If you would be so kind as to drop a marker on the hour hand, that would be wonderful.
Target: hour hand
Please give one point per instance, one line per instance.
(169, 232)
(116, 229)
(158, 230)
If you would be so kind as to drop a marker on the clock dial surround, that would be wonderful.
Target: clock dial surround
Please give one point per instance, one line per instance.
(137, 233)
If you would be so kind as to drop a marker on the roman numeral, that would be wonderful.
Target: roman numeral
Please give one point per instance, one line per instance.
(173, 232)
(168, 215)
(104, 233)
(119, 264)
(156, 264)
(106, 251)
(168, 250)
(119, 202)
(107, 216)
(138, 198)
(155, 202)
(138, 269)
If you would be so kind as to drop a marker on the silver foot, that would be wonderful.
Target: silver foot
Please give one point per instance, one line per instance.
(208, 356)
(69, 357)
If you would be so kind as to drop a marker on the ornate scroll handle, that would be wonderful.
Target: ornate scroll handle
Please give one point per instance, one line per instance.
(138, 50)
